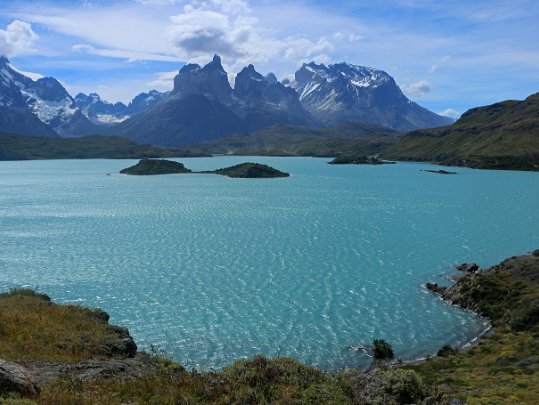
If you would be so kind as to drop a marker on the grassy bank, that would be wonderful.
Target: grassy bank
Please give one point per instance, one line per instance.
(499, 136)
(504, 367)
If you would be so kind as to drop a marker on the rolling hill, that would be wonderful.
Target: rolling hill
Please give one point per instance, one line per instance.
(20, 147)
(291, 140)
(503, 135)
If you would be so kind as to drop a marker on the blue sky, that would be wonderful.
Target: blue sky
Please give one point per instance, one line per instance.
(446, 55)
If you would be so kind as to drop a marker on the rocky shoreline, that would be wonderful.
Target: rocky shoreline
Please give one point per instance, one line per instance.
(103, 359)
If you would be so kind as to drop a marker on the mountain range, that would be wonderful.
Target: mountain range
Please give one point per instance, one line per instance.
(102, 112)
(203, 105)
(343, 92)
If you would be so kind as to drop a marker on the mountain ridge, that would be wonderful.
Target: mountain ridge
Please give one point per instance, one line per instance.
(502, 135)
(203, 105)
(345, 92)
(45, 98)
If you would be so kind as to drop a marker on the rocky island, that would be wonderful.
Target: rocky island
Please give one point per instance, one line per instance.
(155, 166)
(438, 171)
(243, 170)
(250, 171)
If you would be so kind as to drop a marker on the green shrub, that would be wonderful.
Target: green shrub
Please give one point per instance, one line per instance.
(388, 387)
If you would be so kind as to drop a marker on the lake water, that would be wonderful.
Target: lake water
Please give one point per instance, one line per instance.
(211, 269)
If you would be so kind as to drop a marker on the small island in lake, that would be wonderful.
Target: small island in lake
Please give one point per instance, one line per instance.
(438, 171)
(358, 160)
(243, 170)
(250, 171)
(155, 166)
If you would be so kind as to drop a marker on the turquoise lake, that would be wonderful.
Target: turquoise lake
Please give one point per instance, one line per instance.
(211, 269)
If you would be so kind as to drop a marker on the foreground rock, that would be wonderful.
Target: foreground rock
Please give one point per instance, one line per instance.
(155, 166)
(468, 267)
(500, 367)
(15, 378)
(122, 369)
(251, 171)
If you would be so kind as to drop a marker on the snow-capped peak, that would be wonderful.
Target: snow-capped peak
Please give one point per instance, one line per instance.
(31, 75)
(45, 97)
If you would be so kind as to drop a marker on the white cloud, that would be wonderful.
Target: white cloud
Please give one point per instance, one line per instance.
(230, 29)
(417, 89)
(136, 35)
(164, 81)
(199, 32)
(449, 112)
(157, 2)
(231, 7)
(18, 38)
(435, 66)
(277, 35)
(130, 56)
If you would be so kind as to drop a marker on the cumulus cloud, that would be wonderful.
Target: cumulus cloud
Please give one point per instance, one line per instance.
(229, 28)
(301, 49)
(18, 38)
(200, 32)
(449, 112)
(417, 89)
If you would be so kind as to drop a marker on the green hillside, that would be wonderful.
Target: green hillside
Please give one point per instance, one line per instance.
(499, 136)
(291, 140)
(19, 147)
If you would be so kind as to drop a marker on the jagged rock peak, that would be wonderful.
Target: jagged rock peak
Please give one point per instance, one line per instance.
(190, 67)
(211, 80)
(271, 78)
(215, 64)
(250, 73)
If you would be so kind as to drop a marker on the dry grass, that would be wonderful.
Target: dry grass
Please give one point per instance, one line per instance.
(502, 369)
(34, 328)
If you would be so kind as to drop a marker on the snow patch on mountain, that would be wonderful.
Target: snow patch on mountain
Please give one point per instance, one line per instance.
(31, 75)
(345, 92)
(51, 112)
